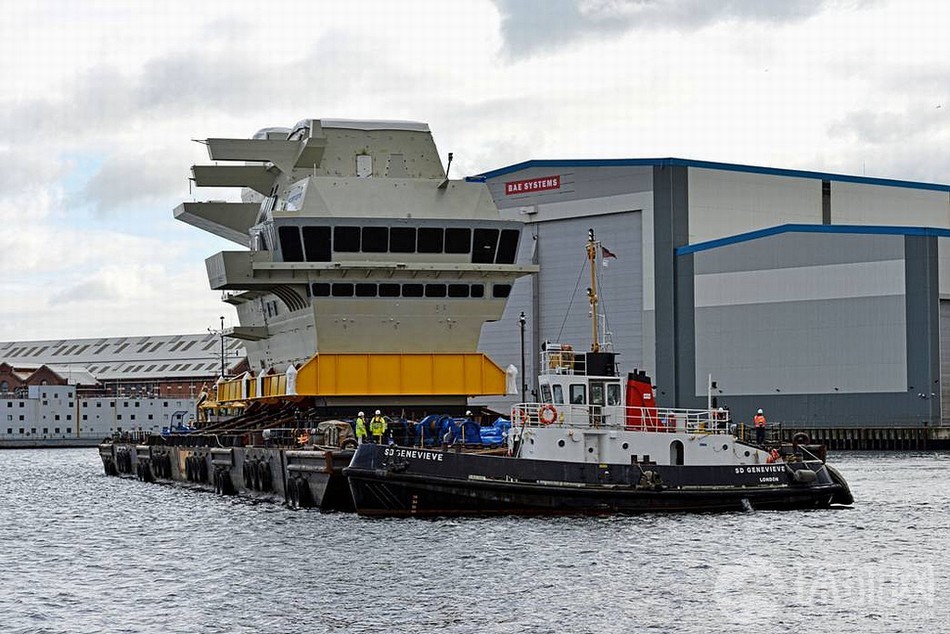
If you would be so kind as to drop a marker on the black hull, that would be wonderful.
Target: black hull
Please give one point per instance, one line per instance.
(300, 478)
(408, 482)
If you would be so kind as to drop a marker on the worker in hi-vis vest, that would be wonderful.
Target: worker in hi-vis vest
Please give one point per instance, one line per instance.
(360, 428)
(759, 422)
(377, 427)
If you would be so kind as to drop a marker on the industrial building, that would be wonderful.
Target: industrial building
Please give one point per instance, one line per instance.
(823, 299)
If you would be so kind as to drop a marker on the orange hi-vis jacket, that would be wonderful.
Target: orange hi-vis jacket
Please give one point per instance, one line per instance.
(759, 420)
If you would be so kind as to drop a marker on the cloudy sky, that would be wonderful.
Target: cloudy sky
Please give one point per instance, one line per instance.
(101, 100)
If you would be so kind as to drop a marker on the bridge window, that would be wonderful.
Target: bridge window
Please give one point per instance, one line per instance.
(320, 289)
(431, 239)
(458, 240)
(290, 246)
(316, 242)
(402, 240)
(412, 290)
(375, 239)
(507, 246)
(346, 239)
(484, 246)
(435, 290)
(478, 290)
(558, 397)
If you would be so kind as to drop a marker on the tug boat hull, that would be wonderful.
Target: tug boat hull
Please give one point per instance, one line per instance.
(404, 481)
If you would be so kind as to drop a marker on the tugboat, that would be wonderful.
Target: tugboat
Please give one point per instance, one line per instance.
(596, 444)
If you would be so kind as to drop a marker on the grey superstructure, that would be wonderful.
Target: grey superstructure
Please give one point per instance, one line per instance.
(357, 243)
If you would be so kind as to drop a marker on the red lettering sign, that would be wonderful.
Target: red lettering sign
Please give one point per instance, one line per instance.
(532, 185)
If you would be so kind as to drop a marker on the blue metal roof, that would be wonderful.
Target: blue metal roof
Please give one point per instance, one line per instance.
(793, 228)
(729, 167)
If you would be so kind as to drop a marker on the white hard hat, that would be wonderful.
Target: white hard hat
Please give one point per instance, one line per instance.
(468, 412)
(378, 412)
(759, 412)
(361, 414)
(721, 409)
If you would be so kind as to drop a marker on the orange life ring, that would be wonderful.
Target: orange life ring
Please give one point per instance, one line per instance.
(518, 416)
(547, 414)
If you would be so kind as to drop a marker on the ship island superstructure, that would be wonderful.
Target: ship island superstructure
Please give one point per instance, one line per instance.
(367, 274)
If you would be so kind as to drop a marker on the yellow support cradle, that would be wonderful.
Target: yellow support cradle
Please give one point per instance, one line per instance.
(379, 375)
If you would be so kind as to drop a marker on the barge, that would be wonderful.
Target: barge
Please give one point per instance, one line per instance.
(364, 278)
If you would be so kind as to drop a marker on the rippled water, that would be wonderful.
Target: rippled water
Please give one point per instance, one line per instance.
(82, 552)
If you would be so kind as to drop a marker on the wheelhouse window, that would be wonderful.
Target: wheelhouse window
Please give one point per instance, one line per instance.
(597, 394)
(435, 290)
(478, 290)
(558, 396)
(458, 290)
(545, 393)
(412, 290)
(320, 289)
(613, 394)
(578, 394)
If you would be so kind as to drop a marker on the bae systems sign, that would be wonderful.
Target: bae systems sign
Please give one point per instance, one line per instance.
(532, 185)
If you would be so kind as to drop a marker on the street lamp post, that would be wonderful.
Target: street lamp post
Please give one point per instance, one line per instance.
(524, 385)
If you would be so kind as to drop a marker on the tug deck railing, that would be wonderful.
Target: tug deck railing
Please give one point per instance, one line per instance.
(655, 419)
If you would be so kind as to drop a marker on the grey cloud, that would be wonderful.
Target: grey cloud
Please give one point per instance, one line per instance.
(124, 180)
(906, 145)
(529, 26)
(96, 291)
